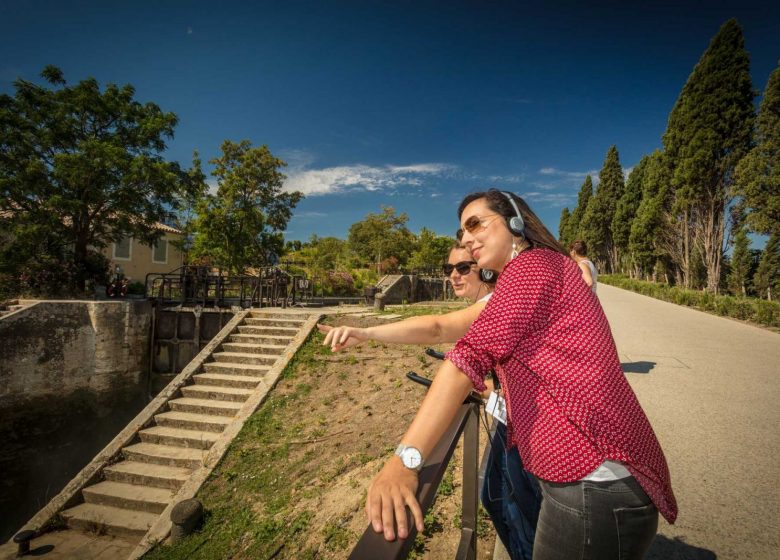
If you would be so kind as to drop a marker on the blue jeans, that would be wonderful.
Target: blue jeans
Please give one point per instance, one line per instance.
(512, 498)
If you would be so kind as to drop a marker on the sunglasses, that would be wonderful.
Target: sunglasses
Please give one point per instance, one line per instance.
(475, 224)
(463, 267)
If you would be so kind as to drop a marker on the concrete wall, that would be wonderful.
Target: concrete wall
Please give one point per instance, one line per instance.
(72, 374)
(412, 288)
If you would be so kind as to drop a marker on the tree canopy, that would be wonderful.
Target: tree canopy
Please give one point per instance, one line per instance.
(242, 225)
(81, 167)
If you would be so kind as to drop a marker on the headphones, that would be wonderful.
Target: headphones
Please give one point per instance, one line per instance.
(488, 276)
(515, 224)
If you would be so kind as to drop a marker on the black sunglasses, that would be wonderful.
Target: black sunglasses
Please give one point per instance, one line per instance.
(463, 267)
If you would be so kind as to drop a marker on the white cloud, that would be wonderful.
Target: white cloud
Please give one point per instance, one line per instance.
(568, 174)
(347, 178)
(551, 199)
(213, 186)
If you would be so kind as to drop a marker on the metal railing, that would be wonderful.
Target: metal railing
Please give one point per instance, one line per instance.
(373, 546)
(204, 286)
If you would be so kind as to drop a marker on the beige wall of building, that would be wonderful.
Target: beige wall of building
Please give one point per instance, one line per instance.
(137, 260)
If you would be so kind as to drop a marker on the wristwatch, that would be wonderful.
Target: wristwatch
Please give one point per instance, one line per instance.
(410, 457)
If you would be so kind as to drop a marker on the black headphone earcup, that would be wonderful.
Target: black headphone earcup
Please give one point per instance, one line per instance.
(488, 276)
(517, 226)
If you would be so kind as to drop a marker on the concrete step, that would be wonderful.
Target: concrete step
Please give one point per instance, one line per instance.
(294, 316)
(147, 474)
(128, 496)
(223, 380)
(169, 455)
(261, 339)
(107, 520)
(205, 406)
(274, 322)
(216, 393)
(267, 331)
(194, 439)
(246, 348)
(235, 369)
(189, 421)
(244, 358)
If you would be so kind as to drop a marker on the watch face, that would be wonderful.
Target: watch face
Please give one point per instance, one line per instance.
(411, 458)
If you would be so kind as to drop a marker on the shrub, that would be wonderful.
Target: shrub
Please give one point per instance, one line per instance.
(748, 309)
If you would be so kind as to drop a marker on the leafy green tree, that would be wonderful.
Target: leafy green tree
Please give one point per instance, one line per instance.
(573, 228)
(709, 131)
(79, 168)
(563, 227)
(597, 222)
(758, 174)
(627, 207)
(767, 277)
(741, 261)
(242, 225)
(382, 237)
(431, 250)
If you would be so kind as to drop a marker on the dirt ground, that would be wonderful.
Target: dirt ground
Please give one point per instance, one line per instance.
(294, 481)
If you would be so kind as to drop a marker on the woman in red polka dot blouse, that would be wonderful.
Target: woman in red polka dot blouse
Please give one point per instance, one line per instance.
(576, 422)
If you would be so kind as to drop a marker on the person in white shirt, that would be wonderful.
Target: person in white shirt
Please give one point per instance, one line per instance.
(578, 251)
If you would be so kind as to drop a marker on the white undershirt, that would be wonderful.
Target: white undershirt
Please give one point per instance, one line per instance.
(608, 471)
(485, 298)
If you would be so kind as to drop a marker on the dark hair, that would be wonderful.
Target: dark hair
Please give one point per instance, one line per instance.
(579, 247)
(535, 232)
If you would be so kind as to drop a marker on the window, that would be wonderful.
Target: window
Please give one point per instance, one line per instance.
(122, 249)
(160, 252)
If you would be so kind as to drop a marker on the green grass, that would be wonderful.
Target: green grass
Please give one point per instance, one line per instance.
(759, 311)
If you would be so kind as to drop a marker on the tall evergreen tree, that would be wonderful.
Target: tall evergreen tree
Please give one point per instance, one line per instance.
(767, 277)
(758, 174)
(741, 261)
(575, 219)
(708, 133)
(563, 227)
(647, 229)
(627, 207)
(597, 221)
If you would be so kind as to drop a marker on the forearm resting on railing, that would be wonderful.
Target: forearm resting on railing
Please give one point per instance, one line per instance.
(395, 486)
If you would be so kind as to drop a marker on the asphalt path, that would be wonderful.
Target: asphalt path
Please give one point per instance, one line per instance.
(711, 388)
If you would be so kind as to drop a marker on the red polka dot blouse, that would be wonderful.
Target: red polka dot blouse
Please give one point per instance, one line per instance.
(569, 405)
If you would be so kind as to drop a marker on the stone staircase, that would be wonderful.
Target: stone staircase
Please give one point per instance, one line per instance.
(10, 307)
(137, 488)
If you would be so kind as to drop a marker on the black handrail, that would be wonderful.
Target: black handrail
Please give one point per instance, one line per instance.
(373, 546)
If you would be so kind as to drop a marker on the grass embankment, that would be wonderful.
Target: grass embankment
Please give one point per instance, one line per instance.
(293, 482)
(762, 312)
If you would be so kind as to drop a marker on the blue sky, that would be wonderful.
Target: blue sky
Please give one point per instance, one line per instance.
(404, 104)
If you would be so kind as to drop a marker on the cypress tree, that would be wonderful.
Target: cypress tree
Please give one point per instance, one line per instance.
(597, 221)
(575, 219)
(767, 277)
(645, 239)
(627, 207)
(758, 174)
(708, 133)
(741, 261)
(563, 227)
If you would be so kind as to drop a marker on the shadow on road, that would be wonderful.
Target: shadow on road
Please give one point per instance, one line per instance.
(637, 367)
(664, 548)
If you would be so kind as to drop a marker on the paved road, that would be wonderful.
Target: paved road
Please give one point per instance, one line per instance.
(711, 387)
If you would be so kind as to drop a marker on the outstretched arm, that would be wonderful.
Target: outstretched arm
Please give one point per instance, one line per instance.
(395, 486)
(427, 329)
